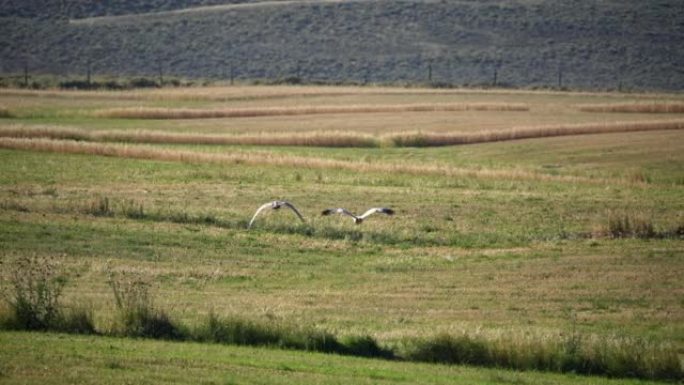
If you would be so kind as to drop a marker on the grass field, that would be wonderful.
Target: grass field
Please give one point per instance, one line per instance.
(512, 238)
(58, 359)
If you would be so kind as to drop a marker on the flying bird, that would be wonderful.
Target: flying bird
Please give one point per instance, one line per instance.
(358, 219)
(275, 205)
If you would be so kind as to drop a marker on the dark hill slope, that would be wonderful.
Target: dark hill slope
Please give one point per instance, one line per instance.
(67, 9)
(590, 44)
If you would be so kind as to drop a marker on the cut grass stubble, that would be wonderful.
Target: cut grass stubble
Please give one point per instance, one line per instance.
(150, 153)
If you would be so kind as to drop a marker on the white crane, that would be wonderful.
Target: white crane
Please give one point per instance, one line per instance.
(358, 219)
(275, 205)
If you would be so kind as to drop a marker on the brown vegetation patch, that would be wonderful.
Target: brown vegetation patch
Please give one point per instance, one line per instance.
(672, 107)
(310, 139)
(419, 139)
(186, 113)
(337, 138)
(5, 112)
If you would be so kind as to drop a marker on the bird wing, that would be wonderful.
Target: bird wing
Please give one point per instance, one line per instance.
(374, 210)
(338, 210)
(291, 206)
(344, 211)
(386, 210)
(260, 209)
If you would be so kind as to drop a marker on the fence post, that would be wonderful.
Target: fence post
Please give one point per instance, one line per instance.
(26, 74)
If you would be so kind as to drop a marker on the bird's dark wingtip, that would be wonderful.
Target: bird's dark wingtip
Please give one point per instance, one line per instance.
(388, 211)
(327, 212)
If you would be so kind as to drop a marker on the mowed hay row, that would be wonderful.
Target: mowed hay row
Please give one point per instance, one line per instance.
(310, 139)
(52, 132)
(337, 138)
(187, 113)
(420, 139)
(306, 139)
(261, 158)
(668, 107)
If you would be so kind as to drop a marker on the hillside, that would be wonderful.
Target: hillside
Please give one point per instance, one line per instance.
(577, 44)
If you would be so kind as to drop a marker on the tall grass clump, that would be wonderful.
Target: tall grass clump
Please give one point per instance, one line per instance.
(132, 209)
(450, 349)
(32, 288)
(628, 225)
(366, 346)
(35, 286)
(99, 207)
(611, 356)
(237, 331)
(624, 225)
(137, 317)
(240, 331)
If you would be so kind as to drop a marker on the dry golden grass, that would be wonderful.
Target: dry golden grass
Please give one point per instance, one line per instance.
(186, 113)
(664, 107)
(313, 139)
(338, 138)
(52, 132)
(447, 139)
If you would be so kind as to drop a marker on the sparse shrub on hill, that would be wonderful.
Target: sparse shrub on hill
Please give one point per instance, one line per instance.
(121, 84)
(143, 83)
(89, 8)
(358, 42)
